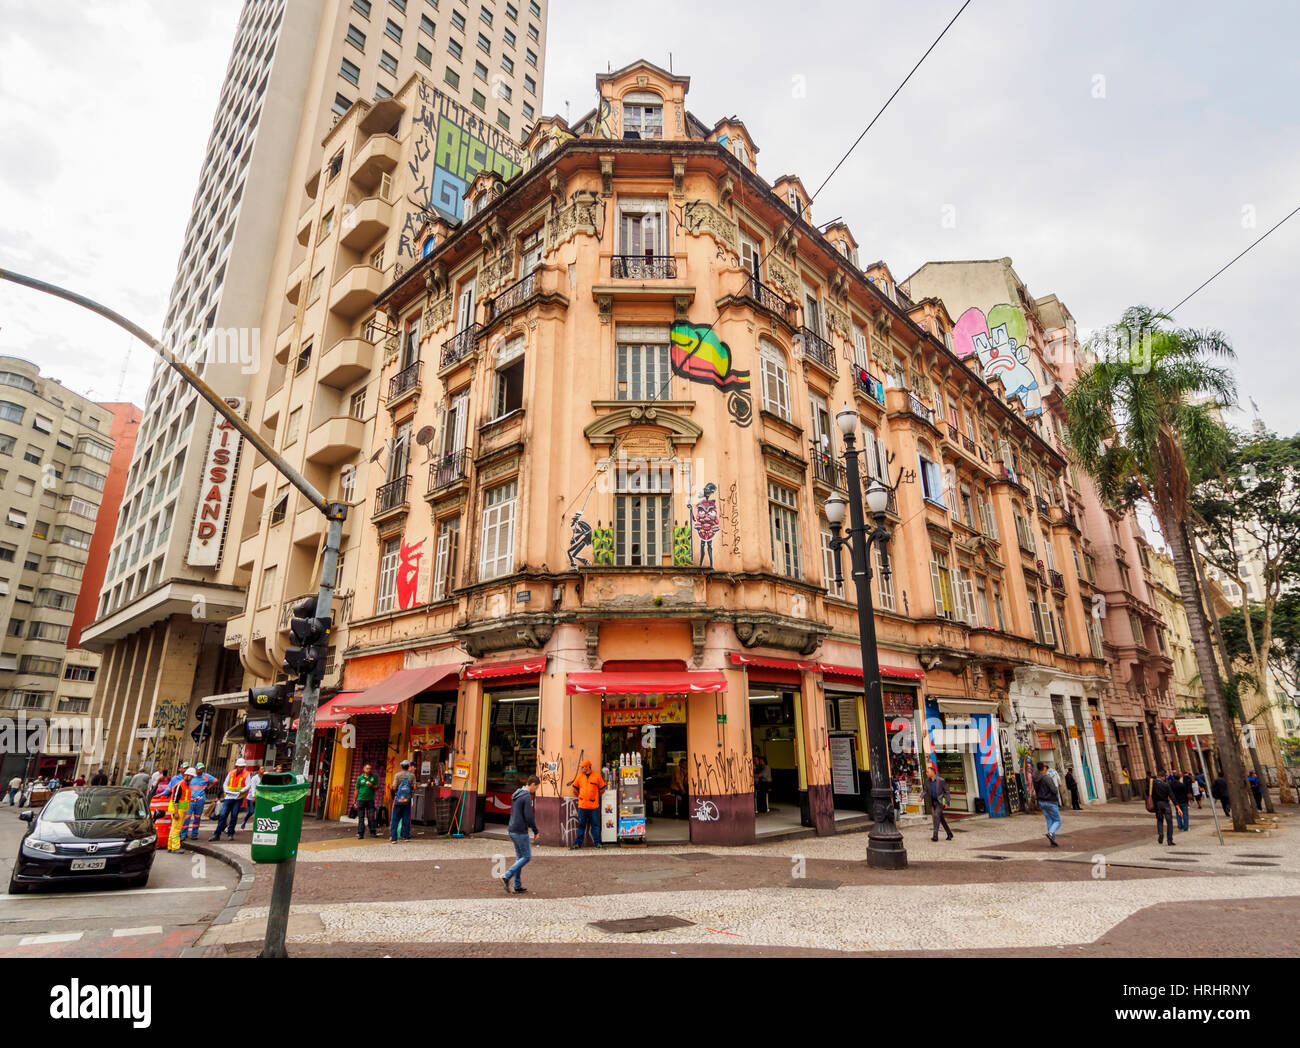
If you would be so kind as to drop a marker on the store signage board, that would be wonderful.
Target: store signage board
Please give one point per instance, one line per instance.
(212, 512)
(1193, 726)
(462, 769)
(844, 779)
(1045, 741)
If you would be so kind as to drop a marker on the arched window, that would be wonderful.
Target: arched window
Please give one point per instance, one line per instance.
(428, 244)
(643, 115)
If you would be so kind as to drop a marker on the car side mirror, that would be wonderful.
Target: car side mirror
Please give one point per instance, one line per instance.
(26, 816)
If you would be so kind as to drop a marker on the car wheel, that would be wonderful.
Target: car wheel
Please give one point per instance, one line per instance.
(17, 889)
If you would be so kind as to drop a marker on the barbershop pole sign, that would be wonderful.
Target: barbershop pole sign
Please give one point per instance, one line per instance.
(212, 513)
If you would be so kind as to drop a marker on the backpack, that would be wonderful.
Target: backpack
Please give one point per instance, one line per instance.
(402, 791)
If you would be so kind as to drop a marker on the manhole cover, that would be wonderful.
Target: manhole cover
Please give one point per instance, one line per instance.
(1260, 855)
(657, 923)
(806, 882)
(1254, 864)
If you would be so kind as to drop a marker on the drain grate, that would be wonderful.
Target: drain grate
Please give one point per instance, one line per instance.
(806, 882)
(1254, 864)
(654, 923)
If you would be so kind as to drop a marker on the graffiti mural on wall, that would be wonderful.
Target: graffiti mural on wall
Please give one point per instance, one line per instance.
(581, 538)
(698, 355)
(408, 572)
(703, 516)
(603, 545)
(1000, 341)
(452, 145)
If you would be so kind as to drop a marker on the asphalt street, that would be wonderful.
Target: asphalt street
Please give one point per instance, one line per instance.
(185, 893)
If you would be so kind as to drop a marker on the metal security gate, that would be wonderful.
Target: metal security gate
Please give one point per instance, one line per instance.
(371, 748)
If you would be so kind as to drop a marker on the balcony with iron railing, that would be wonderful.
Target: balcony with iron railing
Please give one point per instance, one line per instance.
(828, 471)
(1044, 507)
(866, 383)
(286, 609)
(643, 267)
(391, 496)
(968, 444)
(1056, 578)
(516, 294)
(769, 301)
(404, 382)
(459, 346)
(818, 350)
(917, 407)
(448, 469)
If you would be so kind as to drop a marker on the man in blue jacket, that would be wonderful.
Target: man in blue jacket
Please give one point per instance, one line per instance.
(521, 821)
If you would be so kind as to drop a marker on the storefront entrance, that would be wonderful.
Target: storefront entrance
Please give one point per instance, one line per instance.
(850, 782)
(772, 731)
(511, 747)
(905, 771)
(665, 761)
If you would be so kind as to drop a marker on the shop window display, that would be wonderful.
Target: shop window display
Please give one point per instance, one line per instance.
(511, 747)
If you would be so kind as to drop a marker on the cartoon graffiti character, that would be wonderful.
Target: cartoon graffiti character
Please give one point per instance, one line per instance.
(704, 518)
(408, 572)
(580, 541)
(698, 355)
(1000, 341)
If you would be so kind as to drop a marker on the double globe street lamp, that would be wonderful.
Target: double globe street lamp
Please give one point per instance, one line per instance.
(885, 848)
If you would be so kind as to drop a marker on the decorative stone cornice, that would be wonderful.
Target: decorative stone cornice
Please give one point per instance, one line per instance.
(605, 430)
(766, 630)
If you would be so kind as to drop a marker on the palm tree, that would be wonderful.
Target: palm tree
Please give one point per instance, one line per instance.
(1141, 420)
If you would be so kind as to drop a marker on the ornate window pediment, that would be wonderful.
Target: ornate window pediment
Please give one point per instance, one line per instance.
(638, 424)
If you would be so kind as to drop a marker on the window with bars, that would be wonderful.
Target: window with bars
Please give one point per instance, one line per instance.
(497, 551)
(644, 363)
(390, 558)
(643, 514)
(776, 380)
(783, 519)
(446, 558)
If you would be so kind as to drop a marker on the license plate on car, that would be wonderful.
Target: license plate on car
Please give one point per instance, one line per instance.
(88, 864)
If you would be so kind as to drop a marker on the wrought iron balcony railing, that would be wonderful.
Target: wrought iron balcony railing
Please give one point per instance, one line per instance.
(818, 349)
(917, 407)
(829, 471)
(446, 470)
(459, 346)
(1056, 579)
(404, 381)
(644, 267)
(512, 296)
(968, 444)
(865, 381)
(391, 495)
(770, 300)
(1043, 506)
(953, 434)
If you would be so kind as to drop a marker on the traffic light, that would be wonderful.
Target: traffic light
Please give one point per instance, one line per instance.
(311, 636)
(265, 707)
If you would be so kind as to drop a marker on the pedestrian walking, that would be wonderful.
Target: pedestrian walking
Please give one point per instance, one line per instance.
(521, 821)
(1193, 785)
(232, 797)
(937, 788)
(253, 781)
(587, 786)
(403, 791)
(160, 773)
(1219, 792)
(1073, 787)
(1049, 800)
(99, 778)
(15, 787)
(80, 780)
(1162, 796)
(140, 781)
(1182, 797)
(366, 783)
(1252, 780)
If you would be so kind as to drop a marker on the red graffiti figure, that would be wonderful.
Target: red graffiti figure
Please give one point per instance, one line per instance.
(704, 519)
(408, 573)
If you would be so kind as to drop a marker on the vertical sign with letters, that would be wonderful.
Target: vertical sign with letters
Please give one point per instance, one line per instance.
(212, 513)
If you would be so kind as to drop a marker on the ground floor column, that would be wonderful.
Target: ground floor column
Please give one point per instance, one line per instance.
(721, 764)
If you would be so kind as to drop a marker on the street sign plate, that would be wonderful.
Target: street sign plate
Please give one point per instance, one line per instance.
(1193, 726)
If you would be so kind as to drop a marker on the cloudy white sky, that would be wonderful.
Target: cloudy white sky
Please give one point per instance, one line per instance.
(1117, 152)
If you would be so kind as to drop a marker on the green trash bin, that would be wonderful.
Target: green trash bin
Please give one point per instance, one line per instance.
(277, 816)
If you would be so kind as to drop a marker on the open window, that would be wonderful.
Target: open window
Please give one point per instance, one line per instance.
(643, 115)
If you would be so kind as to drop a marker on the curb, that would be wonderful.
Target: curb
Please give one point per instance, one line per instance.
(236, 900)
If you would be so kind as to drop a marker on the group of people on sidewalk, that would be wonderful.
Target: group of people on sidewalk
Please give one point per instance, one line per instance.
(185, 795)
(365, 810)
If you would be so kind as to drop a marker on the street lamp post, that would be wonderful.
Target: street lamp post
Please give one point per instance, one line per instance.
(885, 848)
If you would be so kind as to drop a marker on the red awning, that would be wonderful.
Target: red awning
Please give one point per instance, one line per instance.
(662, 683)
(388, 694)
(771, 664)
(327, 714)
(518, 668)
(855, 672)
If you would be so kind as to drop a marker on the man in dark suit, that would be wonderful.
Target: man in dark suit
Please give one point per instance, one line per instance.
(1073, 786)
(937, 790)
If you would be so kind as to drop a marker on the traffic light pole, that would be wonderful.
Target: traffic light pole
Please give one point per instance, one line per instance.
(335, 513)
(277, 920)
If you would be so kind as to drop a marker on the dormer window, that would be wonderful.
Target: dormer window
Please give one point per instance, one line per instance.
(428, 244)
(543, 149)
(739, 150)
(792, 195)
(643, 115)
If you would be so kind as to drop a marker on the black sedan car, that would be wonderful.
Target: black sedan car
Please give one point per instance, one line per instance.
(86, 832)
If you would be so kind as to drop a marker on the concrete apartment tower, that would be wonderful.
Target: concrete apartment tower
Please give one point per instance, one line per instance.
(63, 464)
(295, 68)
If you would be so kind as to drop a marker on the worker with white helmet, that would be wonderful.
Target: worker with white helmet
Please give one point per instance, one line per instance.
(232, 796)
(179, 808)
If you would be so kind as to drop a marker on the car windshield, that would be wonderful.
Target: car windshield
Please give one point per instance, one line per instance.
(76, 805)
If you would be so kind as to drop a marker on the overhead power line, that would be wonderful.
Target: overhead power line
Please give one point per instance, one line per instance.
(1220, 273)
